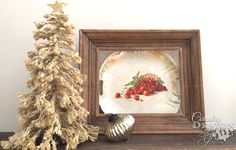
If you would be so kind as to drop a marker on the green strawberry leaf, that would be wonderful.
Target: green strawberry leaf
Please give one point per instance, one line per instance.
(161, 81)
(134, 81)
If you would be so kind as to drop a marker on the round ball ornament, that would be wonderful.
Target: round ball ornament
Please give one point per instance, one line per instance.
(119, 127)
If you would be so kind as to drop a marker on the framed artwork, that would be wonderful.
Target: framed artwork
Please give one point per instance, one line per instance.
(154, 75)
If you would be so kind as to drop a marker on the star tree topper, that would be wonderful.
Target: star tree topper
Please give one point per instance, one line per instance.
(57, 6)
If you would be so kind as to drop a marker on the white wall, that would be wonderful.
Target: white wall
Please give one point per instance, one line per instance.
(215, 19)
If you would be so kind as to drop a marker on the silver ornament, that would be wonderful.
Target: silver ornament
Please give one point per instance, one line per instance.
(119, 127)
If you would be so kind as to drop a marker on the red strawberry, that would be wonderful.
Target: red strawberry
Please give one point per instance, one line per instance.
(161, 88)
(146, 93)
(127, 96)
(165, 89)
(141, 88)
(117, 95)
(136, 97)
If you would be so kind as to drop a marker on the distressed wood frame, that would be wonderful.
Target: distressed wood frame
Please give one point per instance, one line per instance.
(188, 43)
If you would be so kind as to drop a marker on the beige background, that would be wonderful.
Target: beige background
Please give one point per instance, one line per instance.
(215, 20)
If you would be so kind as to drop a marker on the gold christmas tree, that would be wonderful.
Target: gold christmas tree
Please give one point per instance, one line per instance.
(53, 111)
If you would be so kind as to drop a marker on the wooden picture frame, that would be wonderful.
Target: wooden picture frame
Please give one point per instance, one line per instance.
(187, 41)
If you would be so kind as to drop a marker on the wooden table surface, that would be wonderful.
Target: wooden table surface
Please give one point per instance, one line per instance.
(153, 142)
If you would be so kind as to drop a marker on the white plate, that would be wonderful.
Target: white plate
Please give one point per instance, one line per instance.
(119, 68)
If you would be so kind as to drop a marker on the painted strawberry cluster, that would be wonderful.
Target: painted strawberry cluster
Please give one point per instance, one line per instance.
(146, 85)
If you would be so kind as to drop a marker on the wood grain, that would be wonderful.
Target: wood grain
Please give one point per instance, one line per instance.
(152, 142)
(94, 41)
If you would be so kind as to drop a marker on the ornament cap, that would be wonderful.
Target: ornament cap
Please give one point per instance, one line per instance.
(112, 117)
